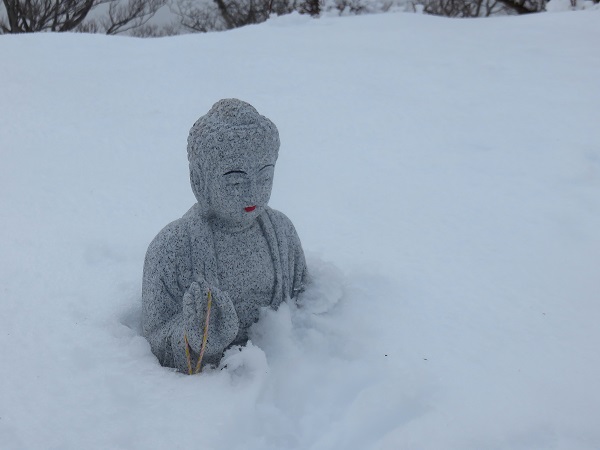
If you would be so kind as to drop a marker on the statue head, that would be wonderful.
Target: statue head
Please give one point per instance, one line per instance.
(232, 151)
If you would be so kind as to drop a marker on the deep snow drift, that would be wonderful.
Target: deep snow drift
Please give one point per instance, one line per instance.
(443, 175)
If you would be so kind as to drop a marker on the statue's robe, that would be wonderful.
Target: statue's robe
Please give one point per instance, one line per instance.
(184, 251)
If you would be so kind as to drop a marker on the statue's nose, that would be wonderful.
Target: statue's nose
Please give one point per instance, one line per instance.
(252, 196)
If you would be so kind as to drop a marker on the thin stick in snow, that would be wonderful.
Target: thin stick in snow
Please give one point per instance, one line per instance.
(187, 353)
(205, 335)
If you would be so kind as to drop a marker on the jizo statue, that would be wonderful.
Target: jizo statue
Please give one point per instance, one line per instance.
(229, 244)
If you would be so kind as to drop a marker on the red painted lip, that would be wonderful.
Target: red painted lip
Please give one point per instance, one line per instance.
(250, 208)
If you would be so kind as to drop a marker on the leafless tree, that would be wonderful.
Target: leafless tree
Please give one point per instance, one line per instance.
(348, 6)
(123, 16)
(237, 13)
(153, 30)
(359, 6)
(480, 8)
(216, 15)
(201, 16)
(281, 7)
(27, 16)
(455, 8)
(312, 7)
(524, 6)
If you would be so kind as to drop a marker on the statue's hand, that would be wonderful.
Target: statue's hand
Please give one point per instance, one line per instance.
(223, 323)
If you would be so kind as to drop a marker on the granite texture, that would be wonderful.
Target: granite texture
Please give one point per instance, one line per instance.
(230, 242)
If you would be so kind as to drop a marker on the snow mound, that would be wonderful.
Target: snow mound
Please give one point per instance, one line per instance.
(443, 176)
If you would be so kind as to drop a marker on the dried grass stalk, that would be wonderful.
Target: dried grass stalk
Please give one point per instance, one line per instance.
(205, 335)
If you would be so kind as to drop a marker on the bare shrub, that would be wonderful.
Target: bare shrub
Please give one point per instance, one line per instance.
(216, 15)
(153, 30)
(28, 16)
(354, 7)
(200, 16)
(480, 8)
(127, 15)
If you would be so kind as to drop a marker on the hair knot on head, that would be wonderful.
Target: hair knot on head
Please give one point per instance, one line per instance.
(233, 112)
(230, 123)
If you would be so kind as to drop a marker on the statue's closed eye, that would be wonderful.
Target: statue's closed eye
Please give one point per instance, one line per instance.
(238, 183)
(235, 177)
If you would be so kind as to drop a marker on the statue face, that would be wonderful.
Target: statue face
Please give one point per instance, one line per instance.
(240, 183)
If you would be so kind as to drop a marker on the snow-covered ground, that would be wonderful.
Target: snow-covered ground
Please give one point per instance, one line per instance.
(444, 176)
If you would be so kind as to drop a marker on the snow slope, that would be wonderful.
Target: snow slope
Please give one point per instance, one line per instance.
(444, 176)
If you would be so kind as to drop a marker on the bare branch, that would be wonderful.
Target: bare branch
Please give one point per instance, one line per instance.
(481, 8)
(153, 30)
(126, 16)
(26, 16)
(198, 16)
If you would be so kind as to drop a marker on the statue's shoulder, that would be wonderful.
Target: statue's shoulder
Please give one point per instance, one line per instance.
(281, 222)
(173, 238)
(277, 217)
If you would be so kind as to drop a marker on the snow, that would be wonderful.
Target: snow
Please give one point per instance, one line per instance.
(443, 175)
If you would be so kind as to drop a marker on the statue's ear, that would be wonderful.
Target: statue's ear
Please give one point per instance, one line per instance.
(197, 182)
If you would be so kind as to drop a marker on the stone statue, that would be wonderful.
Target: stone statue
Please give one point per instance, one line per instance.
(230, 242)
